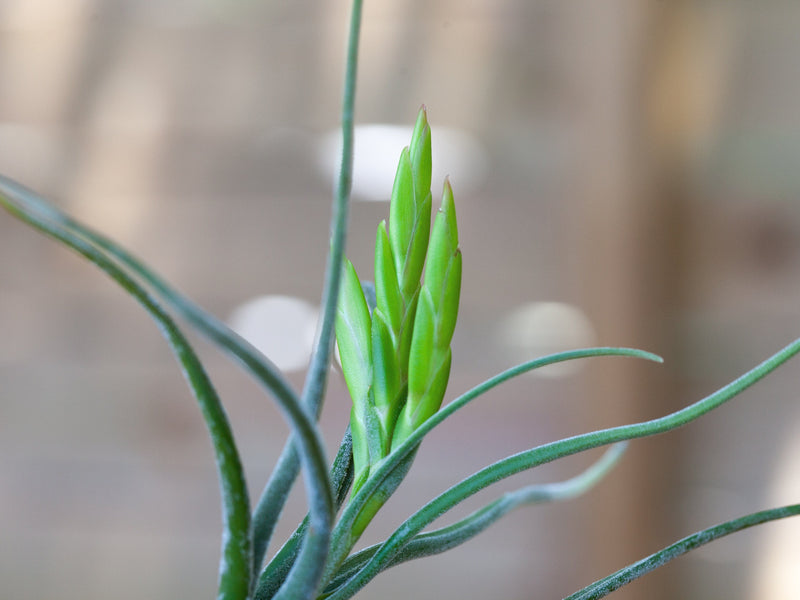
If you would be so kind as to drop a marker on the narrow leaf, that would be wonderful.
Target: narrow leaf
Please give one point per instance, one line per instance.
(235, 565)
(341, 541)
(446, 538)
(544, 454)
(304, 578)
(31, 208)
(274, 574)
(253, 361)
(603, 587)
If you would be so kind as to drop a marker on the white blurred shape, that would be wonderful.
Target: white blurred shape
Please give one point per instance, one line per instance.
(41, 14)
(281, 327)
(377, 150)
(541, 328)
(777, 570)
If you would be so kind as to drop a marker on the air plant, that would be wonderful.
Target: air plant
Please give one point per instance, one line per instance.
(394, 344)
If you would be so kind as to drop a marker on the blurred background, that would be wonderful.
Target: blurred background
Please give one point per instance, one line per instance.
(626, 173)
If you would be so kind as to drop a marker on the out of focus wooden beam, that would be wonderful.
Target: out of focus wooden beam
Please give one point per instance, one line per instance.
(642, 74)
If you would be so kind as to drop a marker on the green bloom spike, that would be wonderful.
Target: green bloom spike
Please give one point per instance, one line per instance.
(429, 365)
(396, 361)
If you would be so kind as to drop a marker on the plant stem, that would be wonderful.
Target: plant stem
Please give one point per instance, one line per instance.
(306, 573)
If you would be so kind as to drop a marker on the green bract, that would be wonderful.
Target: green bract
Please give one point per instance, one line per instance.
(353, 333)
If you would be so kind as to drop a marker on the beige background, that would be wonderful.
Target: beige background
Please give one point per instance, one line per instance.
(636, 161)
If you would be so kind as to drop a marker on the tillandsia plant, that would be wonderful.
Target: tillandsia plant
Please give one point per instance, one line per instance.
(394, 343)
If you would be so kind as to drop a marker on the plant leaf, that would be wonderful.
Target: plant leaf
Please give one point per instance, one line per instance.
(274, 574)
(254, 362)
(306, 573)
(446, 538)
(605, 586)
(541, 455)
(235, 566)
(342, 542)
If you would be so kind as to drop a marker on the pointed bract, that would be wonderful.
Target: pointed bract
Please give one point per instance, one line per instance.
(427, 404)
(443, 246)
(353, 336)
(414, 257)
(353, 331)
(358, 429)
(387, 289)
(420, 152)
(432, 398)
(448, 312)
(405, 335)
(402, 211)
(422, 348)
(386, 373)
